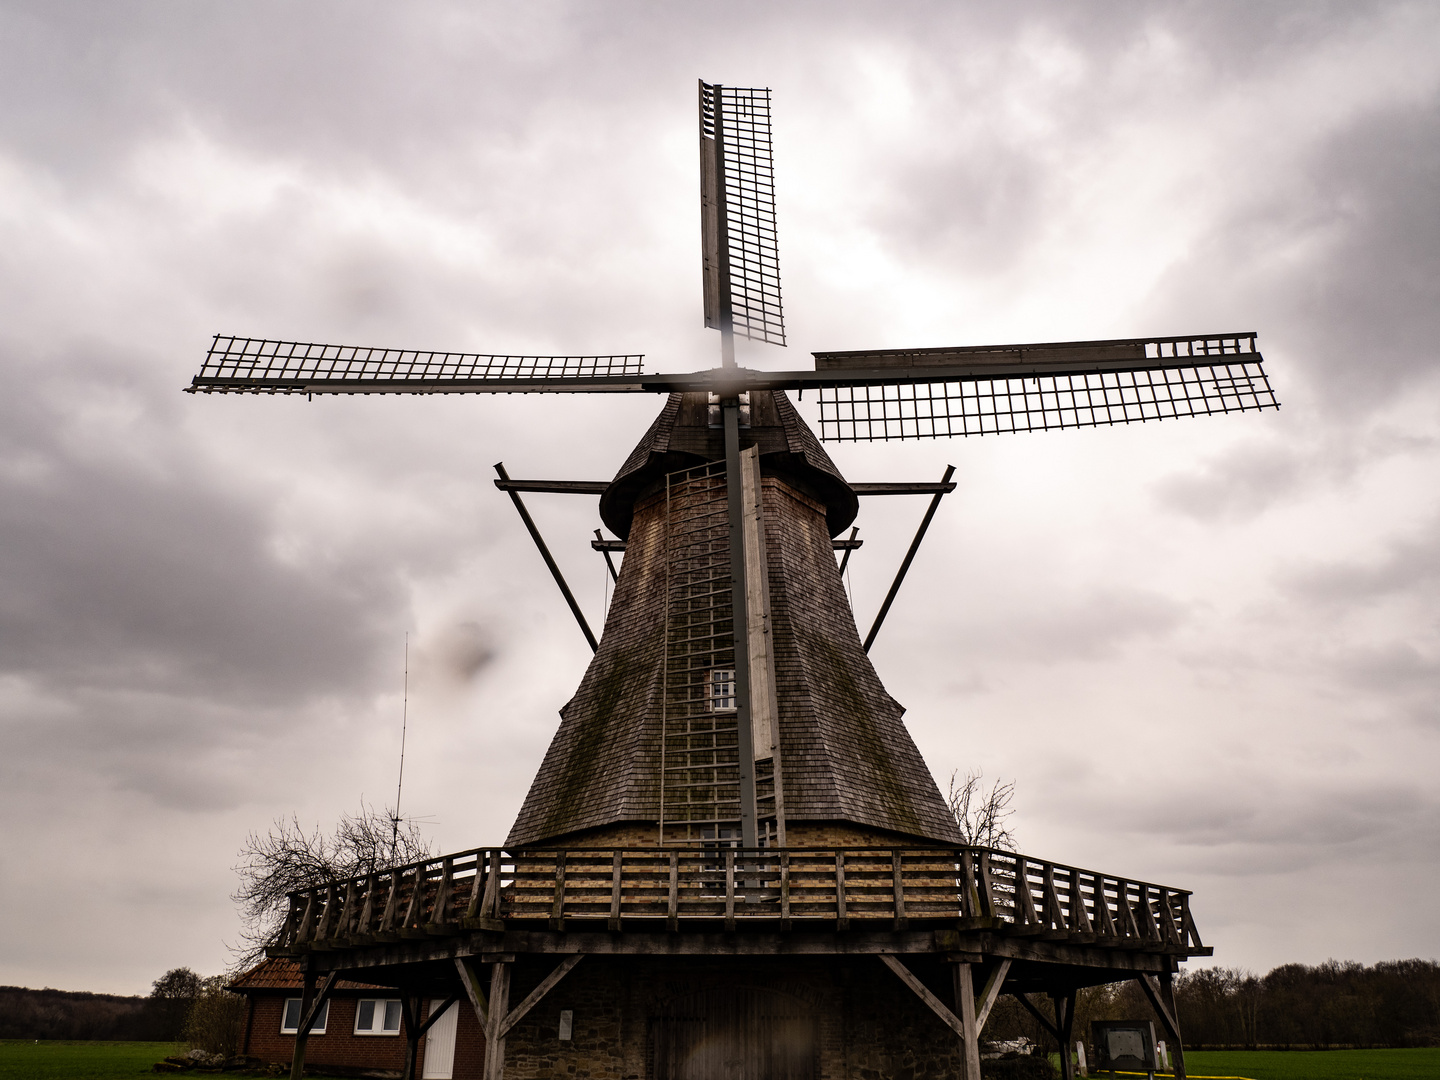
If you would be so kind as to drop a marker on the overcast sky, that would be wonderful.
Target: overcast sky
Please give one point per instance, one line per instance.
(1207, 651)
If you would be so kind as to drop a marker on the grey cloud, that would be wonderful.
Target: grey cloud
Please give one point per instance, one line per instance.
(1409, 563)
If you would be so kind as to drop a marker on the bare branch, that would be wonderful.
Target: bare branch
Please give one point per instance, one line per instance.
(287, 859)
(980, 814)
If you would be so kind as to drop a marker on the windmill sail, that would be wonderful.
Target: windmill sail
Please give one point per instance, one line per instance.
(930, 393)
(737, 200)
(263, 366)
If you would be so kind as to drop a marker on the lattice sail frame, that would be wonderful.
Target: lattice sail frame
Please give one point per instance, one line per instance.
(292, 366)
(1233, 381)
(738, 205)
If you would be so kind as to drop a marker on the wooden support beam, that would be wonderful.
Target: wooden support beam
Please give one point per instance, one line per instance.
(310, 1005)
(1161, 994)
(970, 1031)
(991, 994)
(1064, 1005)
(470, 980)
(499, 1007)
(1045, 1021)
(533, 998)
(938, 1007)
(410, 1008)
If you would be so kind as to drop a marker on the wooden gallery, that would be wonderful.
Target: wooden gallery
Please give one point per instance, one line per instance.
(733, 861)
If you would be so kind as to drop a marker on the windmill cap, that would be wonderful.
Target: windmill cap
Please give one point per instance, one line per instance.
(681, 437)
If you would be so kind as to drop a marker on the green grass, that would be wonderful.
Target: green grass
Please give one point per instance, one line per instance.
(21, 1059)
(1422, 1064)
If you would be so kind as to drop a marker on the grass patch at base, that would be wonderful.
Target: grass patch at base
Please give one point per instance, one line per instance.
(24, 1059)
(1417, 1064)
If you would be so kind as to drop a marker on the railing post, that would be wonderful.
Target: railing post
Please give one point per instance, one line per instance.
(557, 910)
(441, 908)
(490, 905)
(987, 887)
(729, 888)
(615, 891)
(842, 917)
(673, 909)
(785, 890)
(897, 881)
(417, 897)
(477, 886)
(367, 909)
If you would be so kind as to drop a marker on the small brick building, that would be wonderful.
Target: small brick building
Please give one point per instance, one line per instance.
(363, 1027)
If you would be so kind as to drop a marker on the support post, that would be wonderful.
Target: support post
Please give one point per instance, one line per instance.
(1064, 1005)
(1162, 1000)
(970, 1038)
(549, 560)
(499, 1007)
(730, 413)
(310, 1005)
(909, 558)
(410, 1009)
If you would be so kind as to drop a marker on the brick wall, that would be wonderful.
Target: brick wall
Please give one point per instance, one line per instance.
(869, 1025)
(341, 1046)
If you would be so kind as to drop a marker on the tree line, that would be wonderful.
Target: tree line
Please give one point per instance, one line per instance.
(1326, 1006)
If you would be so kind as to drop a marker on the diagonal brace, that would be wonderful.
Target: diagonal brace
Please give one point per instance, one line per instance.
(1045, 1021)
(946, 486)
(549, 559)
(922, 991)
(533, 998)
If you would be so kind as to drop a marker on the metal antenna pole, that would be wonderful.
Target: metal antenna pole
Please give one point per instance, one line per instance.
(404, 726)
(909, 558)
(740, 619)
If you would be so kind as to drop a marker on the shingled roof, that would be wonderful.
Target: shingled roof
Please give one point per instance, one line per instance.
(845, 753)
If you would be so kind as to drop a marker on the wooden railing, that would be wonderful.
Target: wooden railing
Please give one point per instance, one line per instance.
(670, 888)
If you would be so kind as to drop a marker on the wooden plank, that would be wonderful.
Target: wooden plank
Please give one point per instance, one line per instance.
(785, 921)
(842, 917)
(1079, 917)
(533, 998)
(921, 991)
(477, 886)
(417, 890)
(392, 904)
(367, 910)
(987, 886)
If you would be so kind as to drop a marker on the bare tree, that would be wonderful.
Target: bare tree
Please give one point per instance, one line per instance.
(982, 814)
(287, 859)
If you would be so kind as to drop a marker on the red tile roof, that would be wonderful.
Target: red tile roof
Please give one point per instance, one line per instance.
(279, 974)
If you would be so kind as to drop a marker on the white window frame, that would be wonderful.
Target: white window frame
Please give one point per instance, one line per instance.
(382, 1008)
(714, 680)
(318, 1029)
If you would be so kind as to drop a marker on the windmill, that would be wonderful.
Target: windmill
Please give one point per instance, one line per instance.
(730, 703)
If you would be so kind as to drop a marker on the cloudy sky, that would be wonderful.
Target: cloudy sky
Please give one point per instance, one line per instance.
(1207, 651)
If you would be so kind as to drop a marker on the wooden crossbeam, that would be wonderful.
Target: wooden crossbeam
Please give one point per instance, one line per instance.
(938, 1007)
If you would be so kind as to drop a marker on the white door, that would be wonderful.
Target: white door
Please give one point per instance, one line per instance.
(440, 1043)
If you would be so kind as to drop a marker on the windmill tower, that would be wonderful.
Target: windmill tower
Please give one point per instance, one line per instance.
(732, 823)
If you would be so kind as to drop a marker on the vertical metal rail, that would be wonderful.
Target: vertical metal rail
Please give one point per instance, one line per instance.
(549, 561)
(909, 558)
(730, 410)
(700, 785)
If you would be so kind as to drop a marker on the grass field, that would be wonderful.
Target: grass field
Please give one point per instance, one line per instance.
(1421, 1064)
(1308, 1064)
(21, 1059)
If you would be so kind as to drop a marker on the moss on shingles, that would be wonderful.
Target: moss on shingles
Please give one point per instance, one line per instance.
(584, 763)
(882, 779)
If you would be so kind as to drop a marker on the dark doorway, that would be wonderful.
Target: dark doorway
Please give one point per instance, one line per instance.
(734, 1033)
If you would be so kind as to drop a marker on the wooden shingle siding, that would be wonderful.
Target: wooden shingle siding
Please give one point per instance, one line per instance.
(847, 758)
